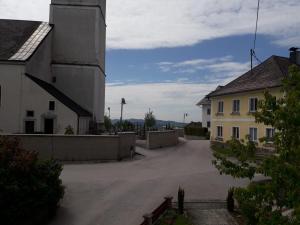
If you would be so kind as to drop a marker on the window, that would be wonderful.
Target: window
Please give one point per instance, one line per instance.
(208, 111)
(30, 113)
(220, 107)
(270, 134)
(253, 134)
(253, 104)
(236, 132)
(208, 124)
(51, 105)
(219, 131)
(236, 106)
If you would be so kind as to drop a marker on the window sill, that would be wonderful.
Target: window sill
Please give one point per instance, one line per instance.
(252, 113)
(235, 114)
(219, 139)
(219, 114)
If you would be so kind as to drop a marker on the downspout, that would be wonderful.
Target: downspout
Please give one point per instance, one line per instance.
(77, 124)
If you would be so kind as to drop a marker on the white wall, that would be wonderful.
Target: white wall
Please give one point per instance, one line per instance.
(39, 65)
(19, 94)
(79, 40)
(79, 148)
(161, 139)
(84, 84)
(11, 97)
(205, 117)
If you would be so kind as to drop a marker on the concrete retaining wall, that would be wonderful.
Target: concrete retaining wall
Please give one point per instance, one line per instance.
(160, 139)
(79, 148)
(180, 132)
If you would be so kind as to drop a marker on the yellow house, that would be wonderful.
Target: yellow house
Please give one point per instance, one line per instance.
(233, 105)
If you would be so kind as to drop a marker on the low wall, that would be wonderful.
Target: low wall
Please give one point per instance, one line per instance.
(160, 139)
(79, 148)
(180, 132)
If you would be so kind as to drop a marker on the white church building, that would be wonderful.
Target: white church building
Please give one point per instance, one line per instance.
(52, 75)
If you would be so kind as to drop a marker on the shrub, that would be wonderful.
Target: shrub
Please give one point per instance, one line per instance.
(30, 190)
(69, 130)
(196, 131)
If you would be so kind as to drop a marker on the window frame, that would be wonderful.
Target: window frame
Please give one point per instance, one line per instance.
(249, 105)
(233, 105)
(219, 102)
(232, 132)
(50, 106)
(29, 112)
(270, 140)
(208, 111)
(250, 137)
(218, 136)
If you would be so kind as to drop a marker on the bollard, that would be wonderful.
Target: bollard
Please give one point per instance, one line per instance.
(180, 201)
(148, 219)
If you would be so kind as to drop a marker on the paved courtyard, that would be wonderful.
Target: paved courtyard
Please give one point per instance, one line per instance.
(119, 193)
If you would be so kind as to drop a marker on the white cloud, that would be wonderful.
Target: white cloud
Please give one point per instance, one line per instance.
(146, 24)
(160, 97)
(217, 68)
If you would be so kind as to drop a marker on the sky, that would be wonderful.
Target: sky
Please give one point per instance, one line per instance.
(167, 55)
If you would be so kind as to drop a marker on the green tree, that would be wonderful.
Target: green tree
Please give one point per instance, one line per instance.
(30, 189)
(277, 199)
(107, 123)
(150, 120)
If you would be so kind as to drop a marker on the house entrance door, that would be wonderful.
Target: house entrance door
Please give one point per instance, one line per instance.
(49, 126)
(29, 127)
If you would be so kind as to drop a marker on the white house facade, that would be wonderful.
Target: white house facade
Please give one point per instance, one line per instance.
(52, 75)
(205, 104)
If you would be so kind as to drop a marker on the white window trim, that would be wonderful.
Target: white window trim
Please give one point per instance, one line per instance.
(218, 131)
(271, 128)
(233, 105)
(239, 132)
(219, 105)
(249, 103)
(257, 133)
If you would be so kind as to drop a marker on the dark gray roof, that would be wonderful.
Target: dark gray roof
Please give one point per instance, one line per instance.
(268, 74)
(204, 101)
(81, 112)
(19, 39)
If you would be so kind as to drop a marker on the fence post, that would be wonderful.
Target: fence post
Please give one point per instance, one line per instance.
(169, 201)
(148, 219)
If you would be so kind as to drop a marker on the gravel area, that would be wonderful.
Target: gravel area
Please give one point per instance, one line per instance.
(119, 193)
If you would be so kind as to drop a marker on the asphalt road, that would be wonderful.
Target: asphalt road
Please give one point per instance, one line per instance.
(119, 193)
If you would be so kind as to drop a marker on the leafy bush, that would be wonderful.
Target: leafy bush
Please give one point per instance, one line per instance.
(69, 130)
(30, 190)
(196, 131)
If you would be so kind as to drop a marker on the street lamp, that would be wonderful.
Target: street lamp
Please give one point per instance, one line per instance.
(123, 102)
(108, 112)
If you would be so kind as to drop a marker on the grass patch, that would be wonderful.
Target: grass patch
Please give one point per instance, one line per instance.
(171, 218)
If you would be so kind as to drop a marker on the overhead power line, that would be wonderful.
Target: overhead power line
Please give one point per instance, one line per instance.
(252, 51)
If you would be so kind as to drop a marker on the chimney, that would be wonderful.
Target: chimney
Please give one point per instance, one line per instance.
(295, 55)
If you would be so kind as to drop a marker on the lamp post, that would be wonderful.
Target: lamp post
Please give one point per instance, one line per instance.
(108, 112)
(123, 102)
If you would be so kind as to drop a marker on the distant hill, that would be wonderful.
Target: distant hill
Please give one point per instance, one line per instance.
(159, 123)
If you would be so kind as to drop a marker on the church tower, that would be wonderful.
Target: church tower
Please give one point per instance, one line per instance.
(78, 52)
